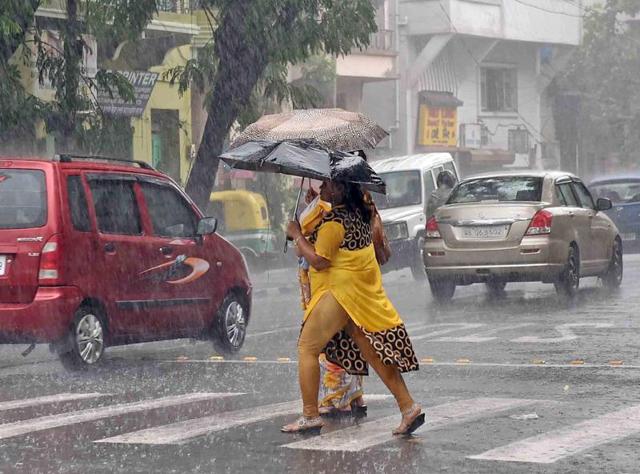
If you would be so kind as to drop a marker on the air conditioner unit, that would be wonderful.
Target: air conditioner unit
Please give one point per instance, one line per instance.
(518, 140)
(470, 135)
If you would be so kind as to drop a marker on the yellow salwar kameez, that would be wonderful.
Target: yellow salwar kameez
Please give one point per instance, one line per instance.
(355, 281)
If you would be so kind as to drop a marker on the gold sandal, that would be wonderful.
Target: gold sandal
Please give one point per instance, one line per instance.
(304, 425)
(412, 419)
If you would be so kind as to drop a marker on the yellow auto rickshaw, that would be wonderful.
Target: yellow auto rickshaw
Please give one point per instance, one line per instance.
(243, 219)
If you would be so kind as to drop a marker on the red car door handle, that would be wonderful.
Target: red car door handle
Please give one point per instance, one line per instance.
(166, 250)
(109, 247)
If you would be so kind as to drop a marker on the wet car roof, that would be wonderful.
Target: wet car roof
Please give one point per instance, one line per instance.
(616, 178)
(527, 174)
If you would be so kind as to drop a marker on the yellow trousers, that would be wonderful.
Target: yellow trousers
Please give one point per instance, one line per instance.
(327, 319)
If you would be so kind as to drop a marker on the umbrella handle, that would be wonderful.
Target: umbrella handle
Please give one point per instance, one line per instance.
(294, 214)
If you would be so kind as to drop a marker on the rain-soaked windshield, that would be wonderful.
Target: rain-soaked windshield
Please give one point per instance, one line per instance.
(23, 199)
(497, 189)
(403, 189)
(618, 191)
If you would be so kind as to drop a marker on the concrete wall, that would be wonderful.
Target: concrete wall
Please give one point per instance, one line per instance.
(547, 21)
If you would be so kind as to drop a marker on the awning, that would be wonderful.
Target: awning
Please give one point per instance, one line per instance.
(439, 99)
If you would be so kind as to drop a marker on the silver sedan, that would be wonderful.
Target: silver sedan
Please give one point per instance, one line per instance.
(534, 226)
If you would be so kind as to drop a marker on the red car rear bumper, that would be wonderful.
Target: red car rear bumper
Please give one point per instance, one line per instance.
(46, 319)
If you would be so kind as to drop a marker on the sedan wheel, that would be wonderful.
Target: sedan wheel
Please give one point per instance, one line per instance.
(442, 290)
(496, 288)
(230, 326)
(87, 340)
(613, 278)
(569, 281)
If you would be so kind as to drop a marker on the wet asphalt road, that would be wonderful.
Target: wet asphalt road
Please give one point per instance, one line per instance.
(487, 364)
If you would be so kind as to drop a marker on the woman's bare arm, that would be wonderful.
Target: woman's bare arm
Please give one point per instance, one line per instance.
(305, 249)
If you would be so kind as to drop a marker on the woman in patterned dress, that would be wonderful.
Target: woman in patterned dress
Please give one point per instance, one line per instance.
(349, 317)
(340, 392)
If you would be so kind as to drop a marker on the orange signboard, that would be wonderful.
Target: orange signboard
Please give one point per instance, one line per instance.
(437, 126)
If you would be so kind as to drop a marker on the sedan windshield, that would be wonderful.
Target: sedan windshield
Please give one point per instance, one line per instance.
(506, 188)
(403, 189)
(619, 192)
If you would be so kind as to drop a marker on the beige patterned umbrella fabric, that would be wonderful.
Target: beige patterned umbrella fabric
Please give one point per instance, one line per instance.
(336, 129)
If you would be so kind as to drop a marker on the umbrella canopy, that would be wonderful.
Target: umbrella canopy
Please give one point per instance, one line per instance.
(303, 158)
(336, 129)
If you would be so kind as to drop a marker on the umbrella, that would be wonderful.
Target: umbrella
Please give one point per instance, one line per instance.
(304, 158)
(336, 129)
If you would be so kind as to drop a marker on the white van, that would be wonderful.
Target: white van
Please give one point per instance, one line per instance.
(410, 181)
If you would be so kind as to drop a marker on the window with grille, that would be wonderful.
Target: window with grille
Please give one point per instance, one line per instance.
(499, 89)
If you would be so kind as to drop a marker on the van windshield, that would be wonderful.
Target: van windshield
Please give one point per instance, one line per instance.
(23, 199)
(403, 189)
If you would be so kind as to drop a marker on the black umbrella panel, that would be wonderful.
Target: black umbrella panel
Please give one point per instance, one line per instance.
(303, 158)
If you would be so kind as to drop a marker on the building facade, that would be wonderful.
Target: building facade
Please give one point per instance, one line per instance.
(473, 78)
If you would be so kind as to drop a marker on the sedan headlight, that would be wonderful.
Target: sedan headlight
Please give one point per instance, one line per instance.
(396, 230)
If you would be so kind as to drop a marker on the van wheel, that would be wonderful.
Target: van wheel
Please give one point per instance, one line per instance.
(417, 264)
(569, 280)
(86, 340)
(230, 326)
(442, 290)
(612, 279)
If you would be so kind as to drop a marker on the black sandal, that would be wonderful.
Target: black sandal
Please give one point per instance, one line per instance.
(358, 411)
(412, 419)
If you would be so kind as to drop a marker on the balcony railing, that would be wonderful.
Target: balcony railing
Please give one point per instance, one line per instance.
(177, 6)
(381, 41)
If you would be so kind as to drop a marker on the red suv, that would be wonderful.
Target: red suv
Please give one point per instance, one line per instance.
(97, 252)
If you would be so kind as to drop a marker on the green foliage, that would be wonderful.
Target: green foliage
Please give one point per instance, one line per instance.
(605, 72)
(253, 43)
(74, 107)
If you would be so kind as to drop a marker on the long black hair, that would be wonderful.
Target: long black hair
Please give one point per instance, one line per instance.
(354, 200)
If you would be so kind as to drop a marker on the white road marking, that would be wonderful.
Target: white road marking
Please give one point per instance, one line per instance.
(482, 336)
(274, 331)
(415, 326)
(373, 433)
(453, 327)
(42, 423)
(550, 447)
(183, 431)
(299, 326)
(430, 364)
(57, 398)
(566, 333)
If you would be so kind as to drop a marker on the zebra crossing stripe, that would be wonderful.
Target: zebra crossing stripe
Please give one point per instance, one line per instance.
(373, 433)
(182, 431)
(18, 428)
(57, 398)
(554, 445)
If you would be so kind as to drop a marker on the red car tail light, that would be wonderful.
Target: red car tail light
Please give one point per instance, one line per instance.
(540, 223)
(49, 272)
(433, 232)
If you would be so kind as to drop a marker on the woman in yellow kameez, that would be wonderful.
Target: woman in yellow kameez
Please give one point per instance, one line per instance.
(349, 316)
(339, 392)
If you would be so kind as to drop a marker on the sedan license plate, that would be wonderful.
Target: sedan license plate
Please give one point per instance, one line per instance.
(631, 236)
(3, 264)
(485, 232)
